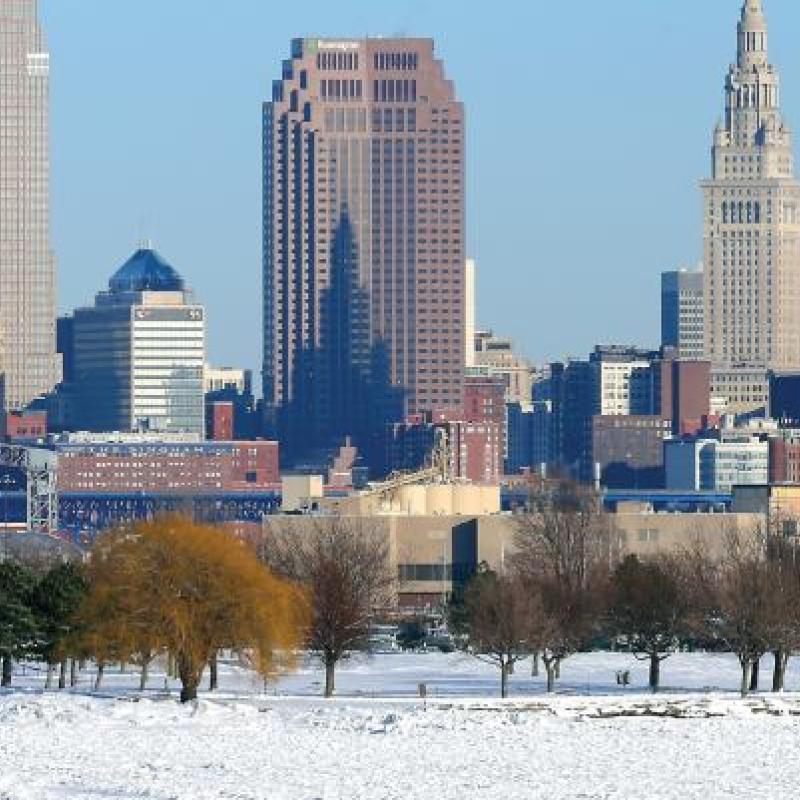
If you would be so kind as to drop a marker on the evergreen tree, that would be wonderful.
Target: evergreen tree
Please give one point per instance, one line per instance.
(17, 621)
(56, 599)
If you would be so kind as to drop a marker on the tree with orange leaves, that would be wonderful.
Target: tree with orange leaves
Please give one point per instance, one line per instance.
(189, 589)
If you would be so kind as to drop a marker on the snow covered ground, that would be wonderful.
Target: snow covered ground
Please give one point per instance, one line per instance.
(376, 740)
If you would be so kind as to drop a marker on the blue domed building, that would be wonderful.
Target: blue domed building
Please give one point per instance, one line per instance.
(138, 353)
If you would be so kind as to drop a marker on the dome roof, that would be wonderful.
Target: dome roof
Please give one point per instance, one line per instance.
(146, 271)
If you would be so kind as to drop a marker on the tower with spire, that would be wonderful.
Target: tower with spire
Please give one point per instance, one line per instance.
(752, 217)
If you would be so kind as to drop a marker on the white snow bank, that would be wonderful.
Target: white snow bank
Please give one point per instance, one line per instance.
(679, 746)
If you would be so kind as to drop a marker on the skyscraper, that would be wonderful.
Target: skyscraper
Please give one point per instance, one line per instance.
(469, 312)
(363, 240)
(752, 221)
(138, 353)
(29, 365)
(682, 313)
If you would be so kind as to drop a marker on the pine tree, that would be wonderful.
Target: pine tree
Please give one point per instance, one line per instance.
(56, 599)
(17, 621)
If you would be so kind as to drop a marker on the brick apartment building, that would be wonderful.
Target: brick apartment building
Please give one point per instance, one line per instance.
(167, 467)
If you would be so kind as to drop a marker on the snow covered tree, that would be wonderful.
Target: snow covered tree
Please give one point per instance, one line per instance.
(192, 590)
(649, 608)
(496, 619)
(345, 567)
(17, 620)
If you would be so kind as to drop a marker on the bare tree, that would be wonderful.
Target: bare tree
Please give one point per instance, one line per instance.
(649, 609)
(345, 567)
(497, 620)
(563, 553)
(732, 597)
(783, 608)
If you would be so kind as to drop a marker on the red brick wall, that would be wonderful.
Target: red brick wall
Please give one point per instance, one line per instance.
(249, 466)
(784, 461)
(219, 421)
(484, 400)
(26, 426)
(477, 451)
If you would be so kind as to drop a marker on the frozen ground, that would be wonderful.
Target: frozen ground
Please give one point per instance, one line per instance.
(377, 741)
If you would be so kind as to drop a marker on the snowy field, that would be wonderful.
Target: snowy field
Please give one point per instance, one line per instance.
(376, 740)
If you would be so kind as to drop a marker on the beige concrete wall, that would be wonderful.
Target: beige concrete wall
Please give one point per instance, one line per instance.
(427, 540)
(649, 534)
(297, 491)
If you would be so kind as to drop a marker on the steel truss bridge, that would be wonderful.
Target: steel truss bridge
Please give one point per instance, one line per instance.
(83, 516)
(38, 469)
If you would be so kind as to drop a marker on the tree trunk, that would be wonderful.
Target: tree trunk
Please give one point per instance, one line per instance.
(745, 687)
(73, 673)
(62, 675)
(655, 672)
(552, 670)
(330, 677)
(98, 681)
(779, 671)
(754, 674)
(535, 665)
(213, 669)
(504, 669)
(51, 671)
(144, 674)
(558, 670)
(7, 671)
(188, 690)
(189, 677)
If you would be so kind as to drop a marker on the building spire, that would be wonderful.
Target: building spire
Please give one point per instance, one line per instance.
(753, 7)
(752, 35)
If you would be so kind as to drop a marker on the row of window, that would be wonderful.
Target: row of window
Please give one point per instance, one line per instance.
(402, 61)
(343, 61)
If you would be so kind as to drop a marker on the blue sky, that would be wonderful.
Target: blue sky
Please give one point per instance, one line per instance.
(589, 127)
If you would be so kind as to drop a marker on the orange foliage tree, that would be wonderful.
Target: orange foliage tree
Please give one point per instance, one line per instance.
(189, 589)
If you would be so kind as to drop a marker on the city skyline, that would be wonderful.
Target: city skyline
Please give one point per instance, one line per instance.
(160, 159)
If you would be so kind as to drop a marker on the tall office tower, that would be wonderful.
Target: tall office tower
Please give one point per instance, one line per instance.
(29, 365)
(682, 314)
(752, 217)
(138, 353)
(470, 271)
(363, 240)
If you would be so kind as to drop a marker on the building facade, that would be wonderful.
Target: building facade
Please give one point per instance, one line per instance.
(784, 397)
(682, 313)
(739, 389)
(495, 356)
(784, 458)
(363, 179)
(470, 311)
(628, 451)
(752, 217)
(29, 365)
(712, 465)
(127, 466)
(139, 352)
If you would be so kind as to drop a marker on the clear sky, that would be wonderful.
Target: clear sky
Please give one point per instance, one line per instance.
(589, 127)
